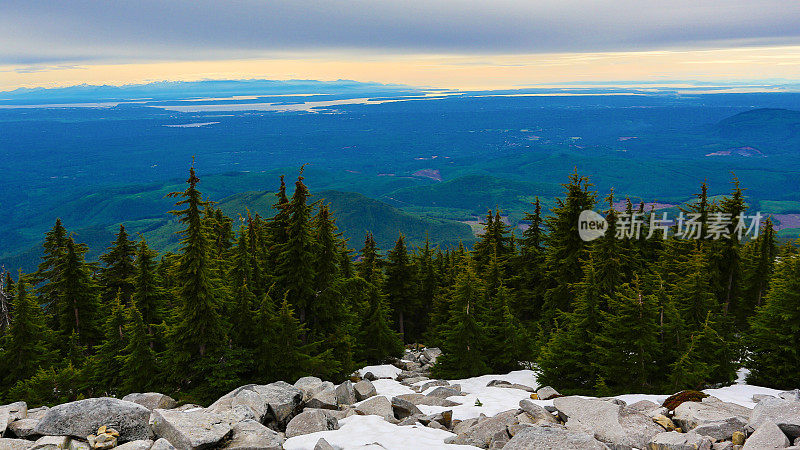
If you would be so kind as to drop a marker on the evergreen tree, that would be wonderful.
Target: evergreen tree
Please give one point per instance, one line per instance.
(369, 268)
(137, 360)
(198, 331)
(509, 344)
(706, 361)
(758, 258)
(105, 366)
(775, 330)
(400, 287)
(530, 267)
(148, 293)
(694, 295)
(116, 275)
(377, 341)
(77, 302)
(327, 308)
(54, 247)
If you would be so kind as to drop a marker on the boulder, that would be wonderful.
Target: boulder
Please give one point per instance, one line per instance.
(251, 435)
(784, 413)
(537, 413)
(364, 389)
(767, 435)
(673, 440)
(497, 383)
(162, 444)
(51, 443)
(553, 437)
(325, 399)
(793, 395)
(136, 445)
(419, 399)
(15, 444)
(75, 444)
(486, 429)
(322, 444)
(408, 381)
(758, 397)
(403, 408)
(15, 411)
(721, 430)
(152, 400)
(665, 422)
(713, 414)
(83, 417)
(310, 422)
(608, 422)
(460, 426)
(345, 394)
(546, 393)
(4, 421)
(647, 408)
(274, 402)
(673, 401)
(432, 383)
(429, 355)
(310, 386)
(376, 406)
(195, 429)
(38, 413)
(499, 440)
(24, 428)
(444, 392)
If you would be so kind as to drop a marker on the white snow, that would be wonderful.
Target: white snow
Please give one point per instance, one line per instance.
(372, 432)
(382, 371)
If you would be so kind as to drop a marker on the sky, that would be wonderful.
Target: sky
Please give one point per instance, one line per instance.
(431, 43)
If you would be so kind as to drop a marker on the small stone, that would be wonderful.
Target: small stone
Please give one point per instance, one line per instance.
(546, 393)
(364, 389)
(51, 443)
(322, 444)
(404, 408)
(738, 438)
(665, 422)
(162, 444)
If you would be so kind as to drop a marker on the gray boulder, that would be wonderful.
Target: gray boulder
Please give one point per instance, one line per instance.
(51, 443)
(486, 429)
(345, 394)
(15, 411)
(274, 402)
(432, 383)
(673, 440)
(310, 386)
(310, 422)
(546, 393)
(152, 400)
(162, 444)
(15, 444)
(376, 406)
(711, 412)
(444, 392)
(784, 413)
(325, 399)
(322, 444)
(553, 437)
(758, 397)
(647, 408)
(721, 430)
(537, 413)
(195, 429)
(767, 435)
(4, 421)
(38, 413)
(429, 355)
(793, 395)
(25, 428)
(84, 417)
(251, 435)
(136, 445)
(403, 408)
(608, 422)
(364, 389)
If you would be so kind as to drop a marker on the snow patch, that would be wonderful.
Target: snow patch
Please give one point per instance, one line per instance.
(382, 371)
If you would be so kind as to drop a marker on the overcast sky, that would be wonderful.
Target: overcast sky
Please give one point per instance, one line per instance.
(58, 36)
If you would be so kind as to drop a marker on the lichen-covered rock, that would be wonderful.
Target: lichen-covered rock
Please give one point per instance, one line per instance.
(784, 413)
(194, 429)
(24, 428)
(308, 422)
(151, 400)
(607, 421)
(51, 443)
(83, 417)
(713, 412)
(251, 435)
(767, 435)
(364, 389)
(553, 437)
(673, 440)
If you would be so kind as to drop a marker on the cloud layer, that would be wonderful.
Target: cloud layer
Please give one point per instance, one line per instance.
(46, 32)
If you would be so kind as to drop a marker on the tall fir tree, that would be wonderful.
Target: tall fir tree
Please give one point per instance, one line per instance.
(77, 303)
(116, 274)
(400, 284)
(369, 268)
(378, 342)
(530, 268)
(137, 360)
(105, 367)
(148, 293)
(54, 247)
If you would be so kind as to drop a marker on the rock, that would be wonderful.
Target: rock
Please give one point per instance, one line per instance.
(251, 435)
(310, 386)
(370, 376)
(196, 429)
(15, 411)
(792, 396)
(784, 413)
(606, 421)
(432, 383)
(83, 417)
(15, 444)
(553, 437)
(274, 402)
(673, 440)
(464, 425)
(4, 421)
(325, 399)
(136, 445)
(37, 413)
(484, 430)
(419, 399)
(437, 425)
(720, 431)
(716, 416)
(429, 355)
(24, 428)
(310, 422)
(767, 435)
(673, 401)
(345, 394)
(152, 400)
(443, 392)
(738, 438)
(758, 397)
(499, 440)
(497, 382)
(376, 406)
(410, 420)
(411, 380)
(51, 443)
(546, 393)
(665, 422)
(723, 445)
(647, 408)
(322, 444)
(162, 444)
(101, 441)
(364, 389)
(188, 407)
(404, 408)
(537, 413)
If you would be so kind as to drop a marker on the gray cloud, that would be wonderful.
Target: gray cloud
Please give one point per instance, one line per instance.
(44, 32)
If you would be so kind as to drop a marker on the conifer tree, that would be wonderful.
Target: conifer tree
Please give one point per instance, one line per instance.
(775, 330)
(758, 260)
(707, 360)
(530, 267)
(198, 331)
(27, 345)
(105, 366)
(509, 344)
(327, 309)
(400, 283)
(137, 360)
(427, 278)
(694, 295)
(377, 341)
(116, 275)
(148, 293)
(55, 245)
(369, 268)
(277, 227)
(463, 347)
(77, 302)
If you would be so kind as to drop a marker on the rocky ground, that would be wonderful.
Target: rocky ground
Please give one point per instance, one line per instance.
(399, 407)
